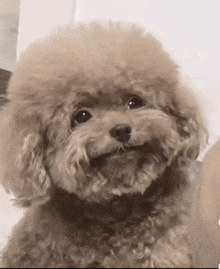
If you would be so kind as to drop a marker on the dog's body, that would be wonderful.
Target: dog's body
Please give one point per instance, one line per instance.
(128, 232)
(96, 141)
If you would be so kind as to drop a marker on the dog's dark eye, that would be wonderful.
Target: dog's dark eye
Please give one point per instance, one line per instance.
(81, 116)
(135, 102)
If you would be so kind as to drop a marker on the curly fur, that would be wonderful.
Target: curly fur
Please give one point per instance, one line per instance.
(93, 201)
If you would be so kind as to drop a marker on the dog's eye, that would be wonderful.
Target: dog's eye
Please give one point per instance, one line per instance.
(135, 102)
(81, 116)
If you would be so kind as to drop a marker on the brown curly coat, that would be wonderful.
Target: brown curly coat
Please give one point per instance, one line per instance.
(76, 216)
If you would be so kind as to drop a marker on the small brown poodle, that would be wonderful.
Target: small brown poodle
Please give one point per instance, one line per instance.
(96, 139)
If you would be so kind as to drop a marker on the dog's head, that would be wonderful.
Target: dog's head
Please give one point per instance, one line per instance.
(97, 110)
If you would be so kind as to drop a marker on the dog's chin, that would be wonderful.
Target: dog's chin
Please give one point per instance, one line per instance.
(129, 170)
(110, 173)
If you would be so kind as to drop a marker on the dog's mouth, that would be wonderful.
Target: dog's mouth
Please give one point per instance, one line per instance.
(147, 149)
(127, 169)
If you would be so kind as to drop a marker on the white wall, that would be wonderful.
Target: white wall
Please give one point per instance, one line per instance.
(38, 17)
(9, 17)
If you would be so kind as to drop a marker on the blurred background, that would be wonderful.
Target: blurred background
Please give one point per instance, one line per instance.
(9, 19)
(189, 31)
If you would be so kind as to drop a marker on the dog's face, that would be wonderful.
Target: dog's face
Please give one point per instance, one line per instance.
(97, 131)
(116, 141)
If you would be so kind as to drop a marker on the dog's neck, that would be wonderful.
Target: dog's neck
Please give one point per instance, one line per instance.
(119, 209)
(124, 209)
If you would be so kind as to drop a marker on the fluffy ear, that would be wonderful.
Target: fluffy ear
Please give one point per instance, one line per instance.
(191, 128)
(189, 152)
(22, 156)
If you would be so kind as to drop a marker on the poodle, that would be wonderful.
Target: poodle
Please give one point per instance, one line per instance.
(96, 139)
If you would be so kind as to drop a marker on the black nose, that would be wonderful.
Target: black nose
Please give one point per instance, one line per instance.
(121, 132)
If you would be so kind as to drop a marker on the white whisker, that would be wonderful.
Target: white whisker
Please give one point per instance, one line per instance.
(155, 158)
